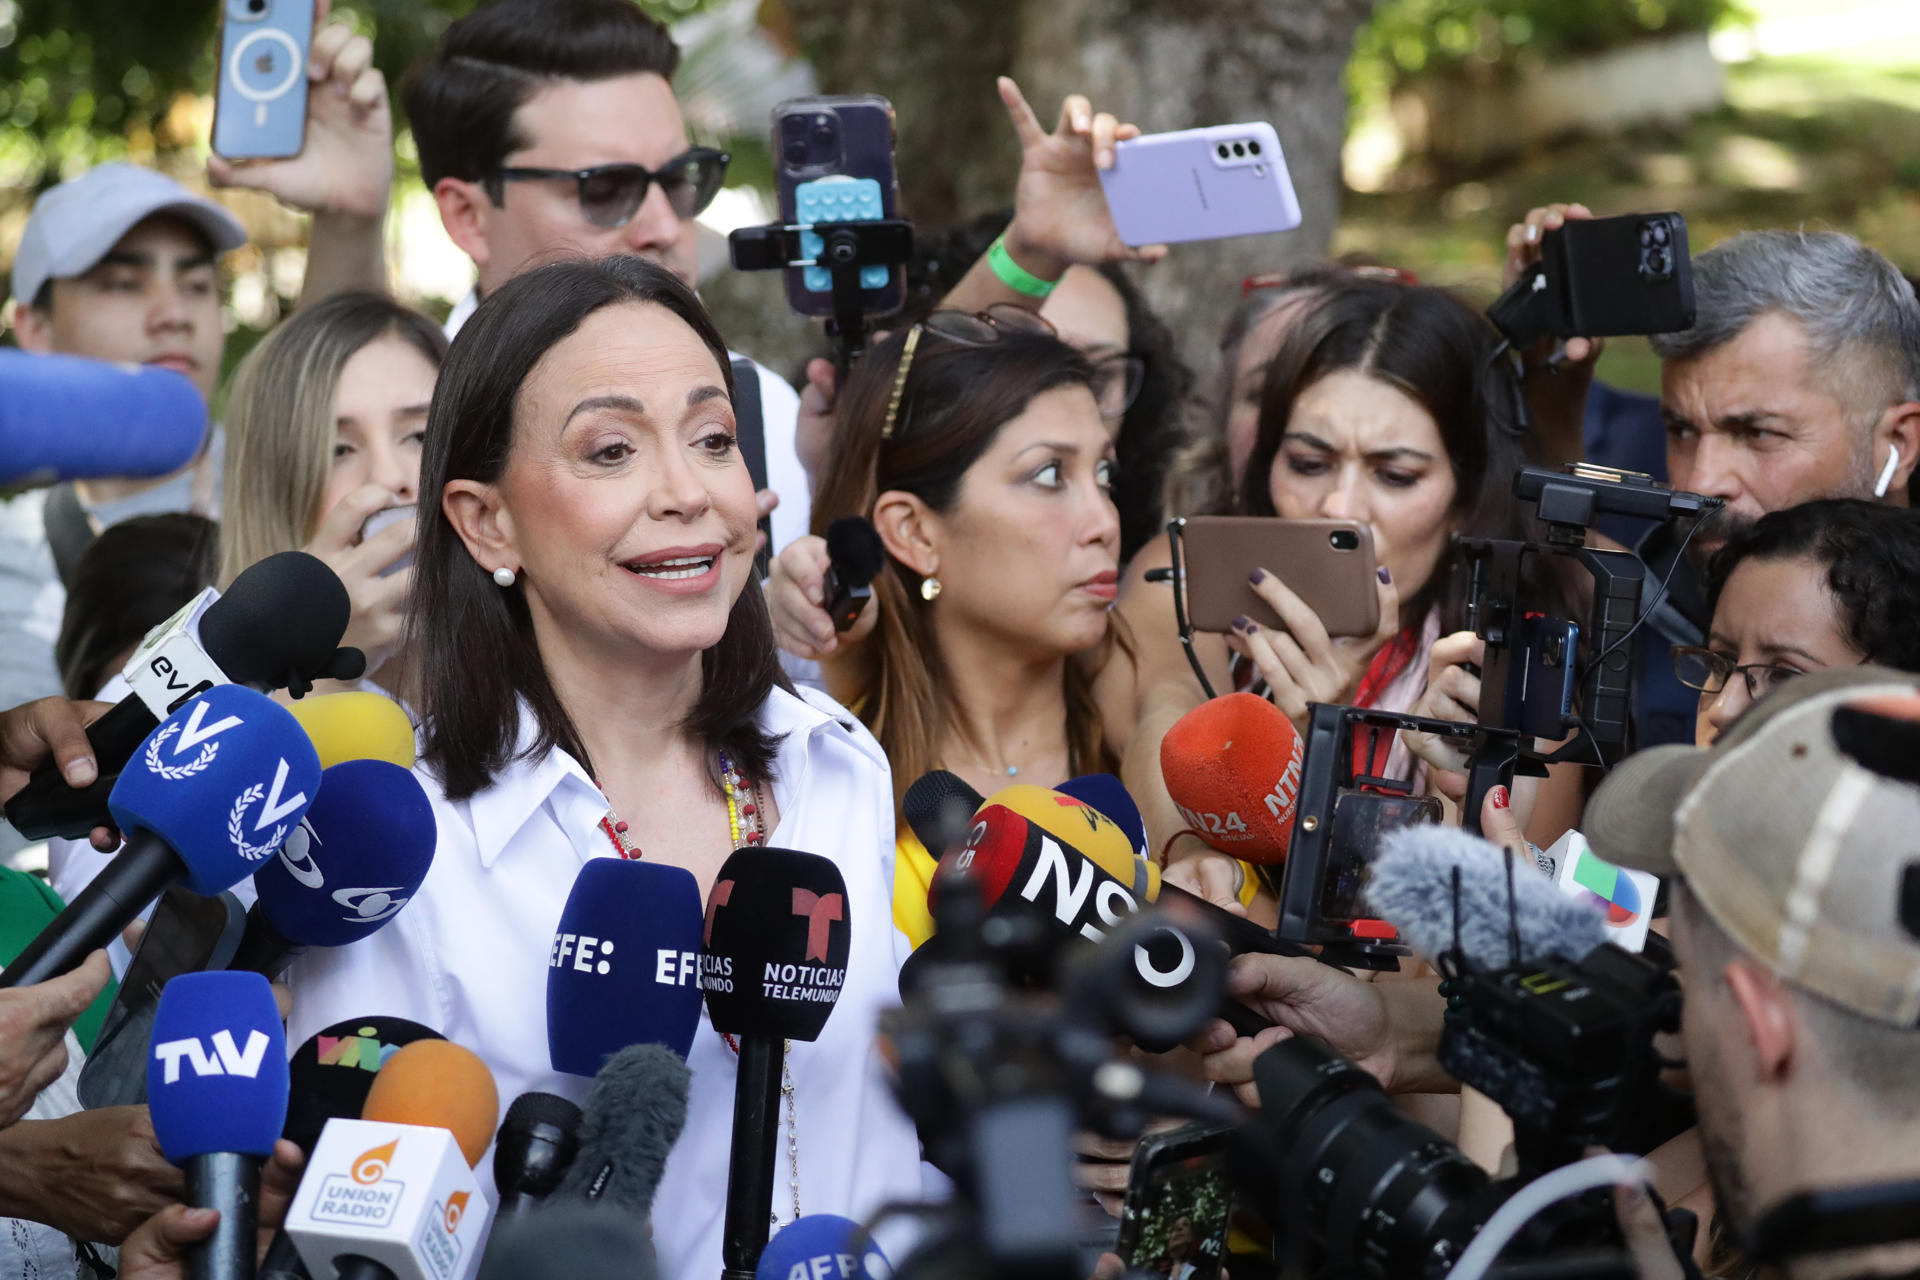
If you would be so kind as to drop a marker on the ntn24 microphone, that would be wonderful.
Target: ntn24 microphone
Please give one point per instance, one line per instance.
(1232, 766)
(402, 1196)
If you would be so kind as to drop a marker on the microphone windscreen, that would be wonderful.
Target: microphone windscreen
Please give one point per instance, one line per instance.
(822, 1244)
(217, 1075)
(222, 781)
(1108, 795)
(332, 1073)
(580, 1242)
(362, 852)
(855, 551)
(938, 807)
(281, 616)
(624, 968)
(441, 1085)
(69, 418)
(1411, 888)
(777, 937)
(1232, 765)
(1084, 829)
(356, 725)
(634, 1114)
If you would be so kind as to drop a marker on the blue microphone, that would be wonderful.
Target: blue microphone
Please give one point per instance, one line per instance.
(822, 1246)
(1106, 794)
(205, 801)
(217, 1092)
(345, 871)
(625, 964)
(69, 418)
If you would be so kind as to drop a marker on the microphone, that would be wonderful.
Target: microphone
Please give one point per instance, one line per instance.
(1411, 888)
(345, 871)
(356, 725)
(634, 1114)
(217, 1093)
(70, 418)
(1109, 796)
(211, 796)
(624, 967)
(441, 1085)
(854, 556)
(776, 944)
(1232, 765)
(574, 1241)
(533, 1151)
(276, 627)
(823, 1246)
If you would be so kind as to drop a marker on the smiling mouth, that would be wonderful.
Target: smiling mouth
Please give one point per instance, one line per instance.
(673, 570)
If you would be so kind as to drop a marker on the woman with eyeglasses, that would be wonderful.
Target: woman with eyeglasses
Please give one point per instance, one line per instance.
(1824, 584)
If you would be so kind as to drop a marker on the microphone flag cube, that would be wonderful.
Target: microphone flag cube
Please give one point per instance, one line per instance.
(400, 1195)
(217, 1071)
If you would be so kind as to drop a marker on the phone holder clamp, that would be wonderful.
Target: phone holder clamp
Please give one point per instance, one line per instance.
(846, 247)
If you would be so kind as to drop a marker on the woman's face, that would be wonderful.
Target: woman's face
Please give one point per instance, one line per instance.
(1356, 448)
(1091, 317)
(379, 419)
(1257, 350)
(625, 504)
(1030, 549)
(1776, 613)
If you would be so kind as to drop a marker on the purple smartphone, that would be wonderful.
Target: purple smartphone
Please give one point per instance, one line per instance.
(1200, 184)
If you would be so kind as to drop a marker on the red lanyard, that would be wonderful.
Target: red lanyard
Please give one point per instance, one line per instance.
(1372, 746)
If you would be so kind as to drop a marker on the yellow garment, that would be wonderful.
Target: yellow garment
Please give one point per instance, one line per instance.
(913, 869)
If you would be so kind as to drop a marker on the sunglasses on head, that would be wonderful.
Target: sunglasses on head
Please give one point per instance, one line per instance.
(610, 194)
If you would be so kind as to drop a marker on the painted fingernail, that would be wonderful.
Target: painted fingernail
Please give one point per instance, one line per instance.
(1243, 623)
(1500, 798)
(1257, 577)
(1385, 577)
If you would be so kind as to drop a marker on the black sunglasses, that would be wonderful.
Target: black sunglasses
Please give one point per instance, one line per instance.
(610, 194)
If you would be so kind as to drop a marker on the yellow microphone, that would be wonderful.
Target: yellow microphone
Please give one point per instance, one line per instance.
(1080, 826)
(356, 726)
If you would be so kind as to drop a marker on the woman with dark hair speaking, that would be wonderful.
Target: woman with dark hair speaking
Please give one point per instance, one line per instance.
(604, 683)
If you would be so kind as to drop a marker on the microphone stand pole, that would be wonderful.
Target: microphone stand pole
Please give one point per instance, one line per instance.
(756, 1133)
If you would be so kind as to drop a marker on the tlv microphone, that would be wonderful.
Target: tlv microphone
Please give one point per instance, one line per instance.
(69, 418)
(624, 967)
(533, 1151)
(346, 871)
(854, 556)
(777, 938)
(356, 725)
(1232, 765)
(205, 802)
(217, 1092)
(823, 1246)
(276, 627)
(1411, 888)
(634, 1115)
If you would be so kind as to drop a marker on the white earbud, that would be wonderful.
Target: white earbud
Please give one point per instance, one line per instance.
(1886, 475)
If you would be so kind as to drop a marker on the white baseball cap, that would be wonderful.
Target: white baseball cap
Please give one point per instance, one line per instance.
(74, 225)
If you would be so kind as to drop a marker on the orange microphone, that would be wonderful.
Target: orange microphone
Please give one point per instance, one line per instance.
(439, 1085)
(1232, 765)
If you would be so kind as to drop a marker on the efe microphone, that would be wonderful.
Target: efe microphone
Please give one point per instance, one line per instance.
(854, 556)
(217, 1093)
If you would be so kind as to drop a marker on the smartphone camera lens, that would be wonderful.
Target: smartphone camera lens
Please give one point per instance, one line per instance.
(796, 150)
(256, 6)
(1344, 540)
(1253, 148)
(1222, 149)
(1239, 150)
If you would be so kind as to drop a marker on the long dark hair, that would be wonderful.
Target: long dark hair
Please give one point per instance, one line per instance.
(483, 658)
(1437, 350)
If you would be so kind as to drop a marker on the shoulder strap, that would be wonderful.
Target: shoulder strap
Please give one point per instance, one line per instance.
(68, 529)
(750, 423)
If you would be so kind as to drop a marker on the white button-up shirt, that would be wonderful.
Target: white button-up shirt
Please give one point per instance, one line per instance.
(468, 957)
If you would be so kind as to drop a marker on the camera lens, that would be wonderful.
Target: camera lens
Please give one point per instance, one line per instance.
(1239, 150)
(1659, 233)
(1253, 148)
(1222, 149)
(796, 151)
(1344, 540)
(256, 6)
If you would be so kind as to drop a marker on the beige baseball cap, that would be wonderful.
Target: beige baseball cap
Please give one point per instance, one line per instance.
(1793, 845)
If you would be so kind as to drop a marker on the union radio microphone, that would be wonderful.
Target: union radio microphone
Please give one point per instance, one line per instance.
(347, 869)
(1232, 765)
(777, 938)
(533, 1151)
(207, 800)
(217, 1093)
(823, 1246)
(278, 626)
(624, 967)
(70, 418)
(854, 556)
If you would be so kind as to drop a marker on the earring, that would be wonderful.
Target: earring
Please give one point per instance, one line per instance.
(503, 577)
(929, 588)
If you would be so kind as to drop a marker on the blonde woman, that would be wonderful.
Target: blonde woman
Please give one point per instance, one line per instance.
(323, 436)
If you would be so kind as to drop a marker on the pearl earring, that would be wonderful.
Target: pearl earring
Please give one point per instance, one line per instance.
(503, 577)
(929, 588)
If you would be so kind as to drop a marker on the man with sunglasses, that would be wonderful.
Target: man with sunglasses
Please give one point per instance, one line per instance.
(549, 128)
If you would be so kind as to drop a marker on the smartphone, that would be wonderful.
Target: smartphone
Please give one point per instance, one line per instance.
(1178, 1204)
(1625, 275)
(1328, 563)
(380, 520)
(260, 98)
(1541, 676)
(833, 162)
(1361, 819)
(1200, 184)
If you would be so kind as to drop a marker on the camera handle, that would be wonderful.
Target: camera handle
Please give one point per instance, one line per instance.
(846, 247)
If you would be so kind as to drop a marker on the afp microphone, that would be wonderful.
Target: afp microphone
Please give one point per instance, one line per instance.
(207, 800)
(775, 957)
(277, 626)
(823, 1246)
(1232, 765)
(346, 871)
(70, 418)
(624, 967)
(217, 1092)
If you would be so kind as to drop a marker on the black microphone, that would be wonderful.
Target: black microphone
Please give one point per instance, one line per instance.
(579, 1242)
(534, 1149)
(633, 1116)
(277, 627)
(777, 939)
(854, 556)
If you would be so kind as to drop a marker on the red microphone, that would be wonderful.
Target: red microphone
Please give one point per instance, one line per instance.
(1232, 765)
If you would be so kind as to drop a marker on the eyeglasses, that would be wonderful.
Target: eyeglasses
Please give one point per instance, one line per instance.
(1116, 378)
(1287, 279)
(1707, 671)
(610, 194)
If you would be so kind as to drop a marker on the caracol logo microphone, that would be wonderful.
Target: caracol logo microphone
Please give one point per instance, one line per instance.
(368, 905)
(226, 1059)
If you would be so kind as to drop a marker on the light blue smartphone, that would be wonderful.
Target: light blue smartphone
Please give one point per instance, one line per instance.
(260, 104)
(1200, 184)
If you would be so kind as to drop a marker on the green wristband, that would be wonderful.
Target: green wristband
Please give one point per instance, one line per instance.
(1012, 274)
